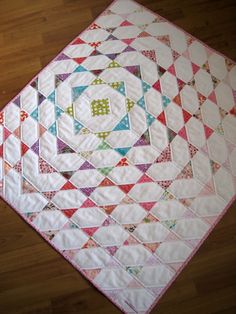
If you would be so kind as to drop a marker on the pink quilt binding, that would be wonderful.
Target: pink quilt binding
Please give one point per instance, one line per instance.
(202, 240)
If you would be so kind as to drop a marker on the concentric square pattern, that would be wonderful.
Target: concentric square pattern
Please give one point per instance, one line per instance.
(122, 151)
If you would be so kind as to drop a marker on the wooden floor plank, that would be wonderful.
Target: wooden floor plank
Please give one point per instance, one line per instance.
(31, 272)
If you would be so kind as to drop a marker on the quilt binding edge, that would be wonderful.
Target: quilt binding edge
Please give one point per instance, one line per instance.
(69, 260)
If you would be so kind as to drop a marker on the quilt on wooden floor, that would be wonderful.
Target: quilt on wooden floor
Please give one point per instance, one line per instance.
(122, 151)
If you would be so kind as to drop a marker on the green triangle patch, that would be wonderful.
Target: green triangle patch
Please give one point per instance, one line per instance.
(105, 171)
(103, 146)
(113, 64)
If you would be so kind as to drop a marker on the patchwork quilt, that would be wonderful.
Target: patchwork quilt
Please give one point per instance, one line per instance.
(121, 153)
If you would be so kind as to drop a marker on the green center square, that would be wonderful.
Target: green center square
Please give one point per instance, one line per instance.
(100, 107)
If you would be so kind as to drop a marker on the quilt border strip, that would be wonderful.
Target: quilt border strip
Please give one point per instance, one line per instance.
(220, 216)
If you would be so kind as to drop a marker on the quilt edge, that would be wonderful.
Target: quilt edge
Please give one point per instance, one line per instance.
(195, 250)
(50, 243)
(184, 31)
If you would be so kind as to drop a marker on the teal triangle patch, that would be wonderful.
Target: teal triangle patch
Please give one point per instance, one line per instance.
(53, 129)
(165, 101)
(35, 114)
(121, 88)
(77, 91)
(123, 151)
(123, 124)
(52, 97)
(141, 103)
(145, 86)
(80, 68)
(78, 126)
(149, 118)
(58, 112)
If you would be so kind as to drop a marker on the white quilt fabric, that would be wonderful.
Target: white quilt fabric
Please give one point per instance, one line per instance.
(122, 152)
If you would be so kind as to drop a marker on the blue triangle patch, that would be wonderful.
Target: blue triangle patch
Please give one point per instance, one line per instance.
(123, 124)
(77, 91)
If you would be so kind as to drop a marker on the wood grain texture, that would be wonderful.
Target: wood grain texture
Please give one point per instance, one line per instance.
(34, 279)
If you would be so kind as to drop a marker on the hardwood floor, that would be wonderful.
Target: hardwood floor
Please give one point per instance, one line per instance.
(33, 277)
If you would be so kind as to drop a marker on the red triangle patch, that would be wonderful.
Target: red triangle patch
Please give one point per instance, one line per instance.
(145, 178)
(171, 69)
(128, 41)
(162, 118)
(79, 60)
(106, 182)
(157, 86)
(68, 186)
(147, 205)
(6, 133)
(24, 148)
(233, 111)
(78, 41)
(126, 23)
(195, 68)
(88, 203)
(181, 84)
(126, 187)
(183, 133)
(208, 131)
(69, 212)
(212, 97)
(186, 115)
(90, 231)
